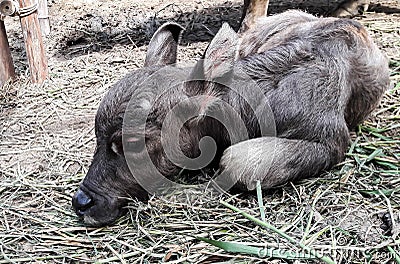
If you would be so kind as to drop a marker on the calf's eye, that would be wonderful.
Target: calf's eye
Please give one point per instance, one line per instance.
(134, 145)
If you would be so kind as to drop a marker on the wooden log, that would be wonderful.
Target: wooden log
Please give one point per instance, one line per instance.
(33, 44)
(7, 71)
(43, 16)
(252, 10)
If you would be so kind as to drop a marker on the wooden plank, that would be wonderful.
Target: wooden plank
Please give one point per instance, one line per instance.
(34, 44)
(7, 71)
(43, 16)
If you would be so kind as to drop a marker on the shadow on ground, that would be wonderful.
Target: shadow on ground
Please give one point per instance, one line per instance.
(96, 33)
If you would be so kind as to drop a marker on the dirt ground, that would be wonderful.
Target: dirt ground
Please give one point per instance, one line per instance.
(47, 142)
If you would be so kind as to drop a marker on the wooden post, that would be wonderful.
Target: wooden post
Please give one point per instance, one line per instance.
(43, 16)
(252, 10)
(33, 44)
(6, 64)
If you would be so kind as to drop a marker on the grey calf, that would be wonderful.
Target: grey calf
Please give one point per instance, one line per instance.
(321, 77)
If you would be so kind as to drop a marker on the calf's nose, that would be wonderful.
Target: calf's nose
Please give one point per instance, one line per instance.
(81, 201)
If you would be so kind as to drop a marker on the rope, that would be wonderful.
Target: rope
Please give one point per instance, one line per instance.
(28, 10)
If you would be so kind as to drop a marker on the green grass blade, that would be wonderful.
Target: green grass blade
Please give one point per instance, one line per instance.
(397, 87)
(373, 155)
(396, 255)
(260, 201)
(353, 145)
(257, 251)
(232, 247)
(385, 192)
(388, 165)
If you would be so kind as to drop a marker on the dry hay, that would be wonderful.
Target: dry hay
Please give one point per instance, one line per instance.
(47, 141)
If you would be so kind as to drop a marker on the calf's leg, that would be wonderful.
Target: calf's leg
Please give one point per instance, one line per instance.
(274, 161)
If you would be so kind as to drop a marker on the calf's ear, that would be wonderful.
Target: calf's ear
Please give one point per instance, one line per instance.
(217, 63)
(163, 45)
(221, 53)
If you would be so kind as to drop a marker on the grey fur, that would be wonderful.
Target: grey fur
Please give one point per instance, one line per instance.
(163, 45)
(321, 78)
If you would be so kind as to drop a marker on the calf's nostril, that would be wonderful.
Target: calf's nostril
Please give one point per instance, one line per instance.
(81, 201)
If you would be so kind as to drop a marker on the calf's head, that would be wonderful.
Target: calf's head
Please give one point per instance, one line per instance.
(108, 183)
(111, 180)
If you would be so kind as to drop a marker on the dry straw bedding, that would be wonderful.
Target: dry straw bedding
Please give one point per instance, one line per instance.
(47, 141)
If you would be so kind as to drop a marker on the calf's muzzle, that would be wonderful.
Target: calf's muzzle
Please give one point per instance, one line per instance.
(81, 202)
